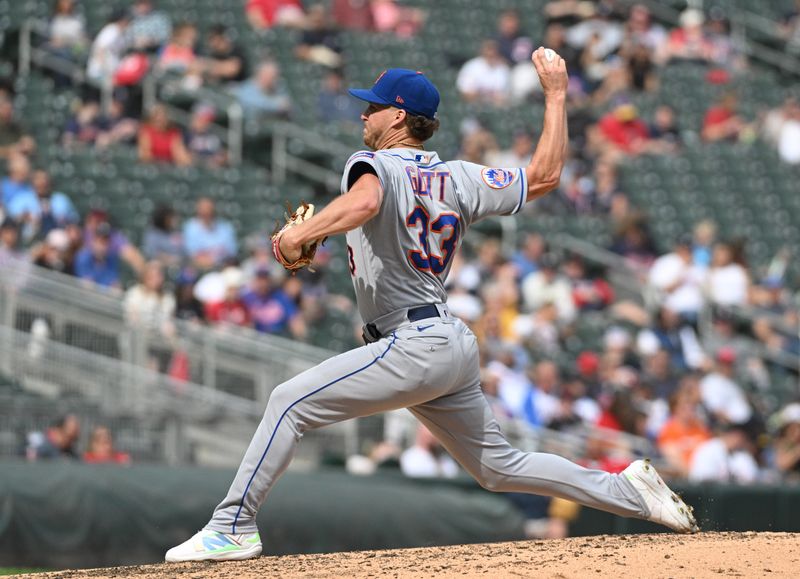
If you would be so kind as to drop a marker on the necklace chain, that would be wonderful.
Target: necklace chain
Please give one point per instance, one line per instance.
(407, 144)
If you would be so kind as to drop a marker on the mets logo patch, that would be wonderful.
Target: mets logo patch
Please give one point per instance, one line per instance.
(497, 178)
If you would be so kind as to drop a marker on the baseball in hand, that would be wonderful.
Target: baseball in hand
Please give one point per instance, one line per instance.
(549, 54)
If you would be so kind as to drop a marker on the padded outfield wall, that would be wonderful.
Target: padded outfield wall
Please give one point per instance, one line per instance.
(61, 515)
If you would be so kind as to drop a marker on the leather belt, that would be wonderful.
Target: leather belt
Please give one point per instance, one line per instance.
(374, 331)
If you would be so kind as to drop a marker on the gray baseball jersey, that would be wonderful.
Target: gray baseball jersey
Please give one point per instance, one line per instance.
(398, 259)
(401, 257)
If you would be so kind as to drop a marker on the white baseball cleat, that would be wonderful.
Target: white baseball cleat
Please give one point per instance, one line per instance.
(666, 507)
(208, 545)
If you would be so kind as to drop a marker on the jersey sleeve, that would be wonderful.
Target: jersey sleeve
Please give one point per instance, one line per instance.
(485, 191)
(359, 163)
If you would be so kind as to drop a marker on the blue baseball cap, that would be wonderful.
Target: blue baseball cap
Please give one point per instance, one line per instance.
(402, 88)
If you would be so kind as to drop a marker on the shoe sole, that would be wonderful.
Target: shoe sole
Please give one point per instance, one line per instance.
(657, 488)
(238, 555)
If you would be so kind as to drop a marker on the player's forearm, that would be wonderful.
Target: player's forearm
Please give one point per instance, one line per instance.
(544, 170)
(344, 214)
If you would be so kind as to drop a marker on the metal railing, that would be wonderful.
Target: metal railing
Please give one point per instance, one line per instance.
(238, 360)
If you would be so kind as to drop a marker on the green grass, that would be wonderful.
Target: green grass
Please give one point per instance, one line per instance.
(18, 570)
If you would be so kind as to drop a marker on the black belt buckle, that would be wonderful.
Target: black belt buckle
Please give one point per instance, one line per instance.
(370, 334)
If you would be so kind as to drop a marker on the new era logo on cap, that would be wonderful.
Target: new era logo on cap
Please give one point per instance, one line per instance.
(402, 88)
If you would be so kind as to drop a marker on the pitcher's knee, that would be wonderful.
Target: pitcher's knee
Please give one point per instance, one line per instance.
(492, 481)
(283, 406)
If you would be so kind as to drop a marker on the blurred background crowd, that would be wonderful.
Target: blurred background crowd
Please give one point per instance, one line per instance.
(695, 362)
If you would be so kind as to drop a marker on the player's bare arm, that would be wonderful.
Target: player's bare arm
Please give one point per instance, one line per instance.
(360, 204)
(544, 170)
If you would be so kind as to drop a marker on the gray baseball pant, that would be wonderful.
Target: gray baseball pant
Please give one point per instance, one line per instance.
(430, 367)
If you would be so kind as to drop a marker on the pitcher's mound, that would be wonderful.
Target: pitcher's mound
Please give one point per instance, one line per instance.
(608, 557)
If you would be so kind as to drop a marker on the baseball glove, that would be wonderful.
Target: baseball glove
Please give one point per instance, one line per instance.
(308, 250)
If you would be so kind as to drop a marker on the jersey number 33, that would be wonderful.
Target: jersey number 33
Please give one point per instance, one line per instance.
(447, 226)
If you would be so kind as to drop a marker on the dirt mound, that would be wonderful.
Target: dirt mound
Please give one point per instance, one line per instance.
(704, 555)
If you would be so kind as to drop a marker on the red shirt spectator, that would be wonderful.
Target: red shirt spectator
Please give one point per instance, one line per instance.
(354, 14)
(721, 121)
(267, 13)
(161, 141)
(624, 129)
(101, 449)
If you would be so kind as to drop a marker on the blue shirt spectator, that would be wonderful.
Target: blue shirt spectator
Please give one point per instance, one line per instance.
(48, 210)
(264, 93)
(97, 262)
(17, 182)
(208, 241)
(270, 308)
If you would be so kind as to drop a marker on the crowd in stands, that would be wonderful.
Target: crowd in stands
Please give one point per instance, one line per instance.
(697, 393)
(60, 441)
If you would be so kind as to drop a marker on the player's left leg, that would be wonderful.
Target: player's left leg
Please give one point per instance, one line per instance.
(464, 423)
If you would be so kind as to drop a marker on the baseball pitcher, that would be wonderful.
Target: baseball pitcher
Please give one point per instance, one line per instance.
(405, 212)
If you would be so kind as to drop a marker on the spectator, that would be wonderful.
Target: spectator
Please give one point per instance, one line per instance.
(685, 430)
(664, 132)
(51, 210)
(427, 458)
(596, 32)
(334, 104)
(160, 141)
(187, 306)
(85, 126)
(605, 187)
(108, 48)
(223, 61)
(722, 397)
(263, 14)
(353, 14)
(208, 240)
(231, 309)
(542, 405)
(669, 332)
(643, 31)
(633, 242)
(163, 241)
(178, 55)
(486, 78)
(721, 122)
(13, 139)
(725, 458)
(689, 42)
(97, 261)
(538, 330)
(622, 131)
(150, 28)
(789, 133)
(118, 127)
(319, 42)
(588, 293)
(97, 222)
(527, 258)
(9, 242)
(54, 253)
(678, 281)
(705, 234)
(58, 441)
(101, 449)
(264, 94)
(728, 281)
(17, 184)
(67, 33)
(403, 21)
(270, 309)
(518, 155)
(147, 304)
(204, 146)
(548, 285)
(514, 46)
(787, 442)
